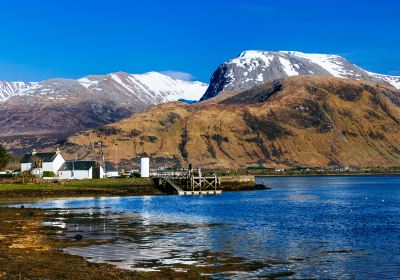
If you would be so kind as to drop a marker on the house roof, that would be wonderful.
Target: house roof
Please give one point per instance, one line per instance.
(78, 165)
(44, 157)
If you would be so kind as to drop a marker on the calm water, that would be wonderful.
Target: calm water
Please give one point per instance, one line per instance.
(317, 227)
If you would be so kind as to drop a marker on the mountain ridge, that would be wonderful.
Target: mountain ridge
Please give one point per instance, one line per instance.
(9, 89)
(45, 113)
(295, 121)
(255, 67)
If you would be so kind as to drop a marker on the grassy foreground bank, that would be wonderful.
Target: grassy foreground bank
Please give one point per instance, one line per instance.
(13, 190)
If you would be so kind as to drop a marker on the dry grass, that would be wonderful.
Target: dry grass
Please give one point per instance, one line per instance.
(328, 121)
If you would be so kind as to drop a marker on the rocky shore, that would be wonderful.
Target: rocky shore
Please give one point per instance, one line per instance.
(29, 251)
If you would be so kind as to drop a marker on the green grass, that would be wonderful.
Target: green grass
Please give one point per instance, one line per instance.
(82, 184)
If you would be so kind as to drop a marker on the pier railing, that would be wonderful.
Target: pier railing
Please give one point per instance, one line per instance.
(188, 184)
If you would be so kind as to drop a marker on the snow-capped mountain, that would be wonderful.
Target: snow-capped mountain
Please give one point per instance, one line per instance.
(8, 89)
(393, 80)
(39, 114)
(150, 88)
(251, 68)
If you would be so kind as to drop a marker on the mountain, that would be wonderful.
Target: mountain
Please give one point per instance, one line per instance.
(8, 89)
(252, 68)
(44, 113)
(150, 87)
(296, 121)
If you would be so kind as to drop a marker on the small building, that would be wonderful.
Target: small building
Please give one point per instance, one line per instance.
(145, 167)
(40, 163)
(81, 169)
(112, 174)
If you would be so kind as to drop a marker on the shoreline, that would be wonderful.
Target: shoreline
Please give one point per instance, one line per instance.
(29, 250)
(329, 175)
(14, 191)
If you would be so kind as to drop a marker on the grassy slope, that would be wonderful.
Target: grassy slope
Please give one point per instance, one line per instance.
(82, 184)
(11, 193)
(288, 129)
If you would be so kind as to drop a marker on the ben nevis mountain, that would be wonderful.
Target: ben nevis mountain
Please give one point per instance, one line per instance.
(252, 68)
(295, 121)
(267, 108)
(261, 108)
(45, 113)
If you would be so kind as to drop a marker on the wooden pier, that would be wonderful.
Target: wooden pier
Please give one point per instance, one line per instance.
(189, 184)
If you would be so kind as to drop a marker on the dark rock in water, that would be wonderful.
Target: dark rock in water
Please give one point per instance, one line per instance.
(78, 237)
(261, 187)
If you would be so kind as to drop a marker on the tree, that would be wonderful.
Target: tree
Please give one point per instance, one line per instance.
(4, 157)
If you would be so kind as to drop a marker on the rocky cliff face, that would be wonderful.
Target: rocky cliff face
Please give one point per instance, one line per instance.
(252, 68)
(297, 121)
(42, 114)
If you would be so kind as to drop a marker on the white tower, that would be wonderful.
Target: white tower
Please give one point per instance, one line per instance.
(145, 167)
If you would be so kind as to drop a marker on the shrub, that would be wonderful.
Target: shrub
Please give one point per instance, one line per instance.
(4, 157)
(134, 133)
(49, 174)
(107, 131)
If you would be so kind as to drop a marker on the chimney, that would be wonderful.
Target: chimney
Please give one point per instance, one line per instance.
(33, 151)
(58, 151)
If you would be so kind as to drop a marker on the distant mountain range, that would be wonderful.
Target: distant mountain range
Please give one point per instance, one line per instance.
(149, 88)
(262, 107)
(44, 113)
(296, 121)
(252, 68)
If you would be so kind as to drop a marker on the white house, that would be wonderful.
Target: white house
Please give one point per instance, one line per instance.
(54, 163)
(81, 169)
(38, 163)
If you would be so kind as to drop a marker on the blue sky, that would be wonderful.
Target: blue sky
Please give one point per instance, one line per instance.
(42, 39)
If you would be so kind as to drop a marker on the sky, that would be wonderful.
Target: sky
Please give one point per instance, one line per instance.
(42, 39)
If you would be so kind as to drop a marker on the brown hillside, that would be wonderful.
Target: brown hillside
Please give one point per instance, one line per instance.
(298, 121)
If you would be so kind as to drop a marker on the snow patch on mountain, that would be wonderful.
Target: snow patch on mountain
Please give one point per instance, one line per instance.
(253, 59)
(87, 83)
(8, 89)
(330, 63)
(173, 89)
(252, 67)
(288, 67)
(393, 80)
(150, 88)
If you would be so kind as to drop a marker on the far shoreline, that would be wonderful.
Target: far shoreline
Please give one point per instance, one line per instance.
(330, 175)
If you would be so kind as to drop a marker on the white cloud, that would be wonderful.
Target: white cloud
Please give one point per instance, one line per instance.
(179, 75)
